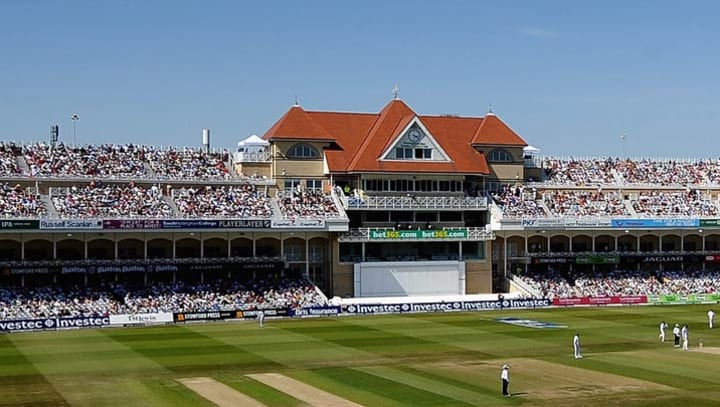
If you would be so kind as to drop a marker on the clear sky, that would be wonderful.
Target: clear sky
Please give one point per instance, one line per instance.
(569, 76)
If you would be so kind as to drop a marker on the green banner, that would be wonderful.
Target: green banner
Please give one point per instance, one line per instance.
(709, 222)
(418, 234)
(682, 299)
(609, 259)
(20, 224)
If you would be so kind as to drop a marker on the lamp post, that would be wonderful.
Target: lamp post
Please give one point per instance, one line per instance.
(74, 117)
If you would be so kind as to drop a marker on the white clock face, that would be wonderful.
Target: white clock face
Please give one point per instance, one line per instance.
(414, 135)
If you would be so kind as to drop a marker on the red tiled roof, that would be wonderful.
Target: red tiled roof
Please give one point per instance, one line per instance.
(493, 131)
(362, 138)
(296, 124)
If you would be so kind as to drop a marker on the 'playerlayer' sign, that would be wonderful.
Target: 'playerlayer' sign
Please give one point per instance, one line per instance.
(52, 323)
(409, 307)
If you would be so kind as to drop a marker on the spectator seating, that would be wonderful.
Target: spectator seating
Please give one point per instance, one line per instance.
(111, 201)
(116, 298)
(8, 160)
(102, 161)
(307, 204)
(17, 202)
(240, 202)
(188, 164)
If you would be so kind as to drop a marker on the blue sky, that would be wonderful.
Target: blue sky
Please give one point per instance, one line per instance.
(569, 76)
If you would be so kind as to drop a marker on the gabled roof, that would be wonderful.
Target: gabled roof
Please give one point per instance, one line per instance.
(495, 132)
(360, 139)
(296, 124)
(392, 119)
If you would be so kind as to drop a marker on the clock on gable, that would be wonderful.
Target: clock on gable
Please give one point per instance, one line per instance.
(414, 135)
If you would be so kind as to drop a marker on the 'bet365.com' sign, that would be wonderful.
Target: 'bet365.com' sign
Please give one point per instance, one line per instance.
(418, 234)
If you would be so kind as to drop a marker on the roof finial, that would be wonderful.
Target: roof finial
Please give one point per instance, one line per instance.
(396, 90)
(296, 100)
(490, 108)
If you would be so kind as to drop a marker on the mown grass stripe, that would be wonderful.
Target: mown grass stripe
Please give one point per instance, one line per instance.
(437, 375)
(433, 383)
(399, 393)
(259, 391)
(363, 335)
(190, 352)
(290, 349)
(20, 379)
(627, 368)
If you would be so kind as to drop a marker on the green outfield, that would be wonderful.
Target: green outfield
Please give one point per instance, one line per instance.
(450, 359)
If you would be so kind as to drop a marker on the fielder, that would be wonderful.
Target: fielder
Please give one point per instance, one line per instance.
(576, 346)
(685, 337)
(711, 318)
(261, 318)
(663, 328)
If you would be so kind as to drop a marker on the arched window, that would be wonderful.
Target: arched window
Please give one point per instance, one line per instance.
(500, 155)
(303, 151)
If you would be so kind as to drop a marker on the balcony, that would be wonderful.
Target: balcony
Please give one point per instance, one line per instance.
(412, 202)
(393, 235)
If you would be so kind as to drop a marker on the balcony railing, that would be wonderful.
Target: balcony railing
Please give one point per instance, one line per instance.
(417, 202)
(391, 234)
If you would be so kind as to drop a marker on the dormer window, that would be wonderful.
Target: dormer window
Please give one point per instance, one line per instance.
(500, 155)
(303, 152)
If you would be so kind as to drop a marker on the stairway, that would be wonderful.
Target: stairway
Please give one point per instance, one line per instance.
(47, 202)
(171, 203)
(22, 164)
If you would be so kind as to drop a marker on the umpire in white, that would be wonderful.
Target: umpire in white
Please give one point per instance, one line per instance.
(505, 377)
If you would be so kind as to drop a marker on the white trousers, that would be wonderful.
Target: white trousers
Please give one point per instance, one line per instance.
(685, 344)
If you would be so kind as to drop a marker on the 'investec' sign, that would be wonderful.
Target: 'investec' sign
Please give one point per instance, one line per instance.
(418, 234)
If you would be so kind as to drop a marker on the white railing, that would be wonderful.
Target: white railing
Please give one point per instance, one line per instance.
(418, 202)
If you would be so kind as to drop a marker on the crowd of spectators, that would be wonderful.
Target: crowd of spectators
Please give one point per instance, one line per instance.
(111, 200)
(188, 163)
(630, 172)
(17, 202)
(307, 204)
(112, 161)
(553, 284)
(520, 202)
(663, 173)
(579, 172)
(117, 298)
(243, 201)
(690, 203)
(691, 282)
(101, 161)
(516, 201)
(585, 203)
(8, 160)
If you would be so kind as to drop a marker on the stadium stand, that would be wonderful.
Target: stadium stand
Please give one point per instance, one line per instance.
(18, 202)
(117, 298)
(8, 160)
(307, 204)
(103, 161)
(188, 164)
(622, 283)
(111, 200)
(243, 201)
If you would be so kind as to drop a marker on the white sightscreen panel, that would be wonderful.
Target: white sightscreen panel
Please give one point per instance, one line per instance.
(409, 279)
